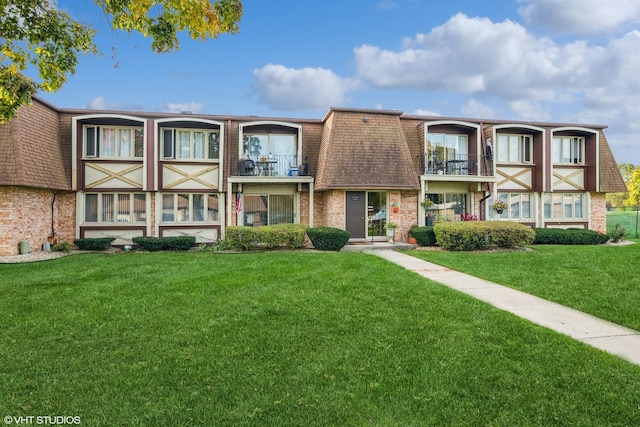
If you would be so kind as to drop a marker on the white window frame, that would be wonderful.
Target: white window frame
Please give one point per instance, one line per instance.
(118, 217)
(568, 150)
(187, 218)
(518, 149)
(516, 203)
(173, 146)
(94, 147)
(564, 200)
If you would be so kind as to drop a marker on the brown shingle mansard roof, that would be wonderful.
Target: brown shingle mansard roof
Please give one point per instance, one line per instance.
(32, 151)
(364, 149)
(610, 178)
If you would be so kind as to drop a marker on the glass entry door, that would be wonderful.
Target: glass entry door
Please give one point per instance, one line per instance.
(377, 214)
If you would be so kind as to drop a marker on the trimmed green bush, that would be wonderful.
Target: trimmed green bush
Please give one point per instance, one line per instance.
(569, 236)
(244, 238)
(64, 246)
(94, 243)
(481, 235)
(425, 236)
(328, 238)
(173, 243)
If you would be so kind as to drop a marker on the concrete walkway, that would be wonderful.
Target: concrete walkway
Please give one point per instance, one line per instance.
(607, 336)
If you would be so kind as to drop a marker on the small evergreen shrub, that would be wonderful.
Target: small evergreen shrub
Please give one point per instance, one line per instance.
(481, 235)
(63, 246)
(425, 236)
(244, 238)
(94, 243)
(173, 243)
(617, 234)
(568, 236)
(328, 238)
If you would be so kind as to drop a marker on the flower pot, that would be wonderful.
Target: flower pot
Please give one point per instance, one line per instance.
(499, 211)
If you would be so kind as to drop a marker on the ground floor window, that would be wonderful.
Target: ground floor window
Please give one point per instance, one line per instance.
(376, 213)
(564, 206)
(190, 207)
(447, 206)
(520, 207)
(267, 209)
(115, 208)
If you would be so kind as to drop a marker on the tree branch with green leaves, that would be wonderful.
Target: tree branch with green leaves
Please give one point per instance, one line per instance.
(37, 37)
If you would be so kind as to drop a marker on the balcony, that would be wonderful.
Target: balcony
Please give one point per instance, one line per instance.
(276, 165)
(457, 165)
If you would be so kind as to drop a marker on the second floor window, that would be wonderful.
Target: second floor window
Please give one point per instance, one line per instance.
(113, 142)
(513, 148)
(568, 150)
(190, 144)
(442, 147)
(259, 145)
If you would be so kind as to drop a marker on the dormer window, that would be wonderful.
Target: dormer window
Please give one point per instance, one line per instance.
(568, 150)
(513, 148)
(190, 144)
(113, 142)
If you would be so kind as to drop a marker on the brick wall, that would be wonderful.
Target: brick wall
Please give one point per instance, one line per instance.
(25, 214)
(598, 212)
(333, 214)
(404, 212)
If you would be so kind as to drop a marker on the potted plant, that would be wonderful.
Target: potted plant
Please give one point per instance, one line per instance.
(391, 230)
(426, 203)
(499, 206)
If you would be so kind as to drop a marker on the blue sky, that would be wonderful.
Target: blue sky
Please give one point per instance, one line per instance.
(571, 61)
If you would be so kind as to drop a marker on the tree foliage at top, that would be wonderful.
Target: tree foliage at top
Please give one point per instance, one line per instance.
(35, 36)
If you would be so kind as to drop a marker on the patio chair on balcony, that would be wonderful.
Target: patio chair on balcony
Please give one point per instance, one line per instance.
(246, 167)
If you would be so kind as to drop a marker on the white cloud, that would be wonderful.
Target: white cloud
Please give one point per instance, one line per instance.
(527, 110)
(100, 103)
(423, 112)
(475, 109)
(177, 107)
(293, 89)
(582, 16)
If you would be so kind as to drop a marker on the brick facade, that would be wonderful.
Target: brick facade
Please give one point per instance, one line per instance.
(25, 214)
(598, 212)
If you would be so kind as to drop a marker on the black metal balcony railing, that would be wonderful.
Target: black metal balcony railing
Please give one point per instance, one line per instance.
(459, 164)
(271, 165)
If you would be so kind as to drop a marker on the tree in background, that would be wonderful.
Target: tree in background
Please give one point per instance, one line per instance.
(634, 189)
(617, 200)
(35, 34)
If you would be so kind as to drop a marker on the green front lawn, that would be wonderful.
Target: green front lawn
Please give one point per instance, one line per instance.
(285, 338)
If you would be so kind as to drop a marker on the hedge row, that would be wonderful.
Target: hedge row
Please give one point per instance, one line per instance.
(94, 243)
(177, 243)
(569, 236)
(480, 235)
(246, 238)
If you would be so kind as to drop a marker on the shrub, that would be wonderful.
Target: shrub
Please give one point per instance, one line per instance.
(424, 235)
(328, 238)
(480, 235)
(63, 246)
(568, 236)
(94, 243)
(617, 234)
(246, 238)
(173, 243)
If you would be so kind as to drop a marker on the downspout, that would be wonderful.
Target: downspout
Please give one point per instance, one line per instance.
(53, 202)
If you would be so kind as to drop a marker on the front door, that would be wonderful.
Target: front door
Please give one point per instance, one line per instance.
(356, 215)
